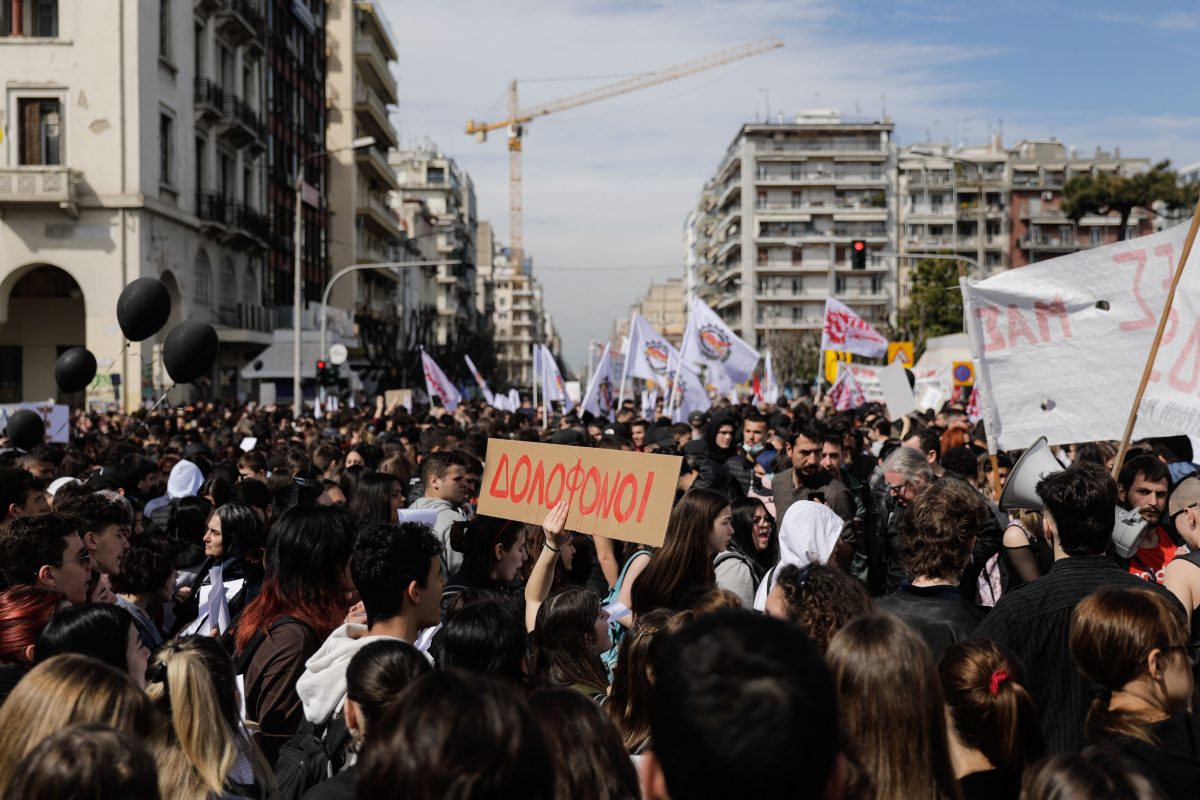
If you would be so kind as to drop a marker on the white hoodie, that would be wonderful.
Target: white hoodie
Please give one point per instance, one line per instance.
(322, 687)
(807, 535)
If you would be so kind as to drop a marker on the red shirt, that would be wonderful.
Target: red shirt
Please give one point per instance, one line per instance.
(1148, 563)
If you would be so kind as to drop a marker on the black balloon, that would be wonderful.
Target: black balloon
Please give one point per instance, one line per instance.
(143, 308)
(75, 369)
(190, 350)
(25, 429)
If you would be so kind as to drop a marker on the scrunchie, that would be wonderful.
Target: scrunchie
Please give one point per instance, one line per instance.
(998, 677)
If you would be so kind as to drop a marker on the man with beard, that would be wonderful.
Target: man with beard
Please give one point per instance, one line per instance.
(1143, 484)
(806, 480)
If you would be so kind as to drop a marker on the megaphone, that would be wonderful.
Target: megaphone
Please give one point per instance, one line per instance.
(1020, 490)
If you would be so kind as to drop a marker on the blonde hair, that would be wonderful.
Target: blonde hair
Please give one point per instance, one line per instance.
(193, 683)
(67, 690)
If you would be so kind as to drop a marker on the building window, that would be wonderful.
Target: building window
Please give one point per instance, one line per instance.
(5, 19)
(1096, 236)
(250, 286)
(1066, 234)
(45, 18)
(164, 29)
(41, 131)
(228, 285)
(203, 278)
(1035, 206)
(166, 150)
(198, 50)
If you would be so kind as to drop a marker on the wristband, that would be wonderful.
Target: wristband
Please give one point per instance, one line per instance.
(552, 549)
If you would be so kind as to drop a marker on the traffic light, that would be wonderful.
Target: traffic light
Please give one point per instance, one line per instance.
(858, 254)
(327, 374)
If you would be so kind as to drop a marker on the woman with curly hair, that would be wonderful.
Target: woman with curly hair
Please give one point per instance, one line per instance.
(820, 599)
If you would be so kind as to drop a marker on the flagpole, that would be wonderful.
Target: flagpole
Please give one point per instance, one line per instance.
(625, 368)
(1162, 325)
(533, 375)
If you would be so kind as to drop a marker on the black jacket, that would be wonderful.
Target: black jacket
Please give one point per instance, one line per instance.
(938, 613)
(1174, 765)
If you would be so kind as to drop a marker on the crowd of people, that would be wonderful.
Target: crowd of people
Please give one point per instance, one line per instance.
(223, 601)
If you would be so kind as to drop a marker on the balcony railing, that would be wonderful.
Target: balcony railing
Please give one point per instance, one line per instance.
(244, 125)
(208, 98)
(39, 184)
(240, 20)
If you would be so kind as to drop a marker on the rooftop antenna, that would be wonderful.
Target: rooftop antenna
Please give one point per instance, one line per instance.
(883, 107)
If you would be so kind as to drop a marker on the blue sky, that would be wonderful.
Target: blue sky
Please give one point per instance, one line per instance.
(607, 186)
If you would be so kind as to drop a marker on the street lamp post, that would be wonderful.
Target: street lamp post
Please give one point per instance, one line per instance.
(298, 278)
(355, 267)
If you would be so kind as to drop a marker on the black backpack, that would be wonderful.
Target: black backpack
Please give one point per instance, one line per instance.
(312, 756)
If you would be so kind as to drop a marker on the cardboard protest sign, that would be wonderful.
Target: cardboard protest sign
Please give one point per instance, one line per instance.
(1059, 346)
(897, 394)
(613, 493)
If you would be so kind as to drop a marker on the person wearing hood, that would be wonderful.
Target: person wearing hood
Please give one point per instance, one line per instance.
(397, 570)
(184, 481)
(446, 491)
(810, 533)
(719, 450)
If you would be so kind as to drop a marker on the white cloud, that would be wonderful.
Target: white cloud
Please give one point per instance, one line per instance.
(610, 183)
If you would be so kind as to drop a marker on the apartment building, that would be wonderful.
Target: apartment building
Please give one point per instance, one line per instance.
(1013, 195)
(426, 174)
(359, 90)
(771, 237)
(664, 306)
(133, 145)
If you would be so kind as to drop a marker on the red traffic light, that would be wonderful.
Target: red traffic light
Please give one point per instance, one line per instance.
(860, 245)
(320, 365)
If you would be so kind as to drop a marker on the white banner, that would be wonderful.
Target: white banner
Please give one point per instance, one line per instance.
(847, 332)
(708, 340)
(599, 398)
(436, 383)
(651, 356)
(867, 379)
(1059, 346)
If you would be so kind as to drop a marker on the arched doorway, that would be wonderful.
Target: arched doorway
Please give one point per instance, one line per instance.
(45, 316)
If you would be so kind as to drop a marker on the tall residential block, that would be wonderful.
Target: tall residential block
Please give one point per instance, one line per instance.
(364, 228)
(772, 235)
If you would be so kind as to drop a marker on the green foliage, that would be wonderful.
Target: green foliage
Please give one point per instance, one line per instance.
(1102, 194)
(794, 356)
(935, 305)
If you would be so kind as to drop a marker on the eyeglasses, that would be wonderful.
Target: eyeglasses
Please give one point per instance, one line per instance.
(1180, 511)
(85, 558)
(896, 488)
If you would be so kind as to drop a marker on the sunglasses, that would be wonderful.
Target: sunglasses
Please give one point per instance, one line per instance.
(1180, 511)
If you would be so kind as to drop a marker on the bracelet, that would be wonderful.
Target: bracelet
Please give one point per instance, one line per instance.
(551, 549)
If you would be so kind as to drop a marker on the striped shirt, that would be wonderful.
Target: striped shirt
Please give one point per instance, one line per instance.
(1034, 622)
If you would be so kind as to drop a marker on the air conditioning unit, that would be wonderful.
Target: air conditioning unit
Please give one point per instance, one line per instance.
(1047, 195)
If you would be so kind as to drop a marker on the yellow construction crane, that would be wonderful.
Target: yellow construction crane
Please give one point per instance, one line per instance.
(518, 117)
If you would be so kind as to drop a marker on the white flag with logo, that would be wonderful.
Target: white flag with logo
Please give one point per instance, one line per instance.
(690, 395)
(553, 385)
(847, 332)
(709, 340)
(479, 381)
(436, 383)
(599, 398)
(651, 356)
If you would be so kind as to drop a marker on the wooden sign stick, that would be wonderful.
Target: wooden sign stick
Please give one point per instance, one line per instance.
(1162, 326)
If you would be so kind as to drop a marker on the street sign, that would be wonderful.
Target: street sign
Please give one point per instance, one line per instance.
(338, 354)
(900, 351)
(963, 373)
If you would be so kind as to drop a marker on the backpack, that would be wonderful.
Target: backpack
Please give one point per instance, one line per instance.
(756, 572)
(314, 755)
(616, 630)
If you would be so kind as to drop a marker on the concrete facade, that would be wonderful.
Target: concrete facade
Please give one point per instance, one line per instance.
(133, 146)
(770, 239)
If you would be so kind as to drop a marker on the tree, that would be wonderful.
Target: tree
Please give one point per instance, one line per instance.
(1107, 192)
(794, 356)
(935, 306)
